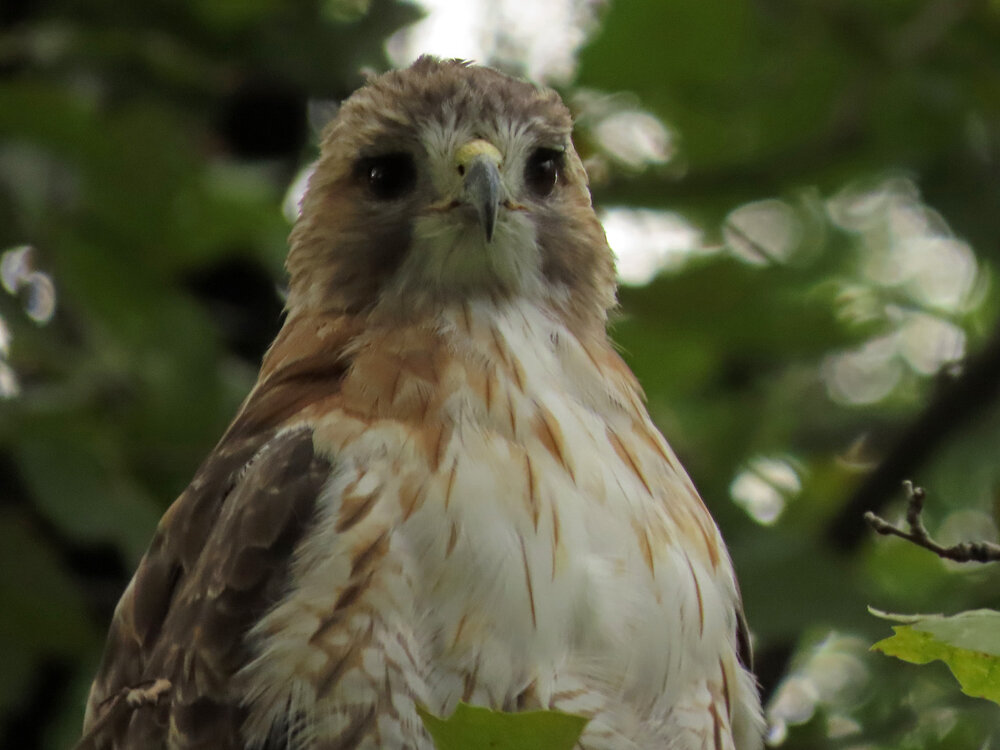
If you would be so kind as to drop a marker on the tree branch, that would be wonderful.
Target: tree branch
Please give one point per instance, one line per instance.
(982, 552)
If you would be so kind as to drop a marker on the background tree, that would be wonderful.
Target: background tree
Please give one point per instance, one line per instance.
(805, 199)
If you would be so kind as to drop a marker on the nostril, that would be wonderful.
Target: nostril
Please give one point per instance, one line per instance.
(461, 169)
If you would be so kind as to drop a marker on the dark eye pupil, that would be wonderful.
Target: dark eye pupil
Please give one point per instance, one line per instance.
(542, 171)
(390, 176)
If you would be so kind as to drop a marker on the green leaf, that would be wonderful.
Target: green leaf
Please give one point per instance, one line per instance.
(484, 729)
(969, 643)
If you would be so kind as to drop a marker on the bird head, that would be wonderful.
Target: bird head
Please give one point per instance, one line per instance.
(445, 182)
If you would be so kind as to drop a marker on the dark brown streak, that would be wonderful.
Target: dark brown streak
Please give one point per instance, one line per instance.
(451, 483)
(356, 514)
(518, 373)
(425, 407)
(359, 727)
(710, 546)
(499, 347)
(336, 666)
(488, 397)
(410, 499)
(647, 548)
(716, 726)
(369, 554)
(646, 435)
(469, 685)
(555, 539)
(510, 412)
(527, 579)
(532, 498)
(697, 591)
(459, 628)
(406, 650)
(439, 447)
(626, 456)
(725, 689)
(347, 597)
(552, 438)
(395, 387)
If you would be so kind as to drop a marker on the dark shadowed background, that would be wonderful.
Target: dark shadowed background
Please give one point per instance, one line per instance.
(805, 200)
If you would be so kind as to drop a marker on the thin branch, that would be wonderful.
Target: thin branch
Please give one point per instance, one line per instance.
(982, 552)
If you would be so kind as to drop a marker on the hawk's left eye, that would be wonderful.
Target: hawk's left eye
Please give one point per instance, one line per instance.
(542, 170)
(389, 176)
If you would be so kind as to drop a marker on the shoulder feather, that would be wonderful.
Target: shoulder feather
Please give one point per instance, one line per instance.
(218, 561)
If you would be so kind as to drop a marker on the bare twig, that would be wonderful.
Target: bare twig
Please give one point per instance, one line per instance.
(982, 552)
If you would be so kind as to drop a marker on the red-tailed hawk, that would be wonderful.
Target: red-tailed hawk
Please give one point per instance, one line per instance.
(444, 486)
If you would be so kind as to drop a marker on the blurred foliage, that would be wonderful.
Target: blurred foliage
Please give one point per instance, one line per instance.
(834, 332)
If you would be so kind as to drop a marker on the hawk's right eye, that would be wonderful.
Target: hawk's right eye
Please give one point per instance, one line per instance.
(388, 177)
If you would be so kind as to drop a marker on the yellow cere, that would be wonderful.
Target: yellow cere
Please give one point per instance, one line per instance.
(469, 151)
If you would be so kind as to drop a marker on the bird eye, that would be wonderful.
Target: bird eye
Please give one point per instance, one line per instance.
(542, 171)
(389, 176)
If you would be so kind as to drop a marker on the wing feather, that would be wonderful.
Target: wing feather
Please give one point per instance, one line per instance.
(218, 561)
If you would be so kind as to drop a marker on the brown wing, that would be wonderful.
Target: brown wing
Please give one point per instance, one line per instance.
(218, 561)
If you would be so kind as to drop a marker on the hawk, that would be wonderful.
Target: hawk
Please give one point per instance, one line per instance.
(444, 485)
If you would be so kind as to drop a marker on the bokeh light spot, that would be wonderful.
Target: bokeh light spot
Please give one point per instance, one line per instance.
(646, 241)
(763, 232)
(764, 488)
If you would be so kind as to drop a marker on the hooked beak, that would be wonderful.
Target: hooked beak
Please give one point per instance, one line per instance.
(479, 164)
